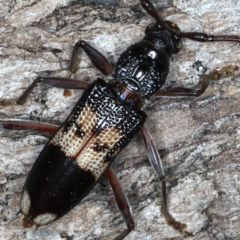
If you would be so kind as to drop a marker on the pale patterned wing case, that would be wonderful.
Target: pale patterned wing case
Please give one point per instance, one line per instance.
(97, 129)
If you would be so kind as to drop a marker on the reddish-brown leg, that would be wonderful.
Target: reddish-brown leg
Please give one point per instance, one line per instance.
(55, 82)
(122, 203)
(28, 125)
(156, 162)
(206, 78)
(179, 91)
(98, 59)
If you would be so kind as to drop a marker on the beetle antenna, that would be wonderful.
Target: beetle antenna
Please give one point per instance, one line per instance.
(151, 10)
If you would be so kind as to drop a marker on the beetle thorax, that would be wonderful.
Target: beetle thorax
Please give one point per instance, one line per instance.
(144, 66)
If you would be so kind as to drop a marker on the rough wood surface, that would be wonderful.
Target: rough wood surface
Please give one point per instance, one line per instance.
(198, 138)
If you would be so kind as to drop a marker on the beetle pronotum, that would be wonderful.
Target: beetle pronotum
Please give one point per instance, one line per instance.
(179, 63)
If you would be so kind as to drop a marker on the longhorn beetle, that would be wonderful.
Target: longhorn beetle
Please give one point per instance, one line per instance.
(102, 123)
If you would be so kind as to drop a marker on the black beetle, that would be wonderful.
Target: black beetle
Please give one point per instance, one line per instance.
(143, 68)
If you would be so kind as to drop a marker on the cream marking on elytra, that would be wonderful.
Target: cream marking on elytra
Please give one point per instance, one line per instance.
(69, 142)
(82, 148)
(25, 202)
(93, 161)
(44, 218)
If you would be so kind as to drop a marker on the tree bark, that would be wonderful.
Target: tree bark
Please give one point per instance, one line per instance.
(197, 138)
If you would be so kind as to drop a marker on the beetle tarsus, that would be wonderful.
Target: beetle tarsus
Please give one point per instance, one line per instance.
(22, 99)
(181, 227)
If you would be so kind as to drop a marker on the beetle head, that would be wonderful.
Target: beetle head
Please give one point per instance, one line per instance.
(164, 35)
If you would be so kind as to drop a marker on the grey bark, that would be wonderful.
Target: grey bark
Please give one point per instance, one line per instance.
(198, 138)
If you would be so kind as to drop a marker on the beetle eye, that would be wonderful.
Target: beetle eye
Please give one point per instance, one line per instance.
(172, 26)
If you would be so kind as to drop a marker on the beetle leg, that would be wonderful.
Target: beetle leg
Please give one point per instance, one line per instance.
(28, 125)
(55, 82)
(122, 202)
(179, 91)
(206, 78)
(98, 60)
(156, 162)
(202, 37)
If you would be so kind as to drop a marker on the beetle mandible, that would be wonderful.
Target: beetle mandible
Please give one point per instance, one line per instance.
(102, 123)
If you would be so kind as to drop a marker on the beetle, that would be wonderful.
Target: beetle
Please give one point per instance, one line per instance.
(143, 58)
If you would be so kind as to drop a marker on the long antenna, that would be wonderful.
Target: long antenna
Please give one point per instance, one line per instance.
(151, 10)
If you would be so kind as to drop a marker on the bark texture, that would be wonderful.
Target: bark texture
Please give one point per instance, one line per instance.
(198, 138)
